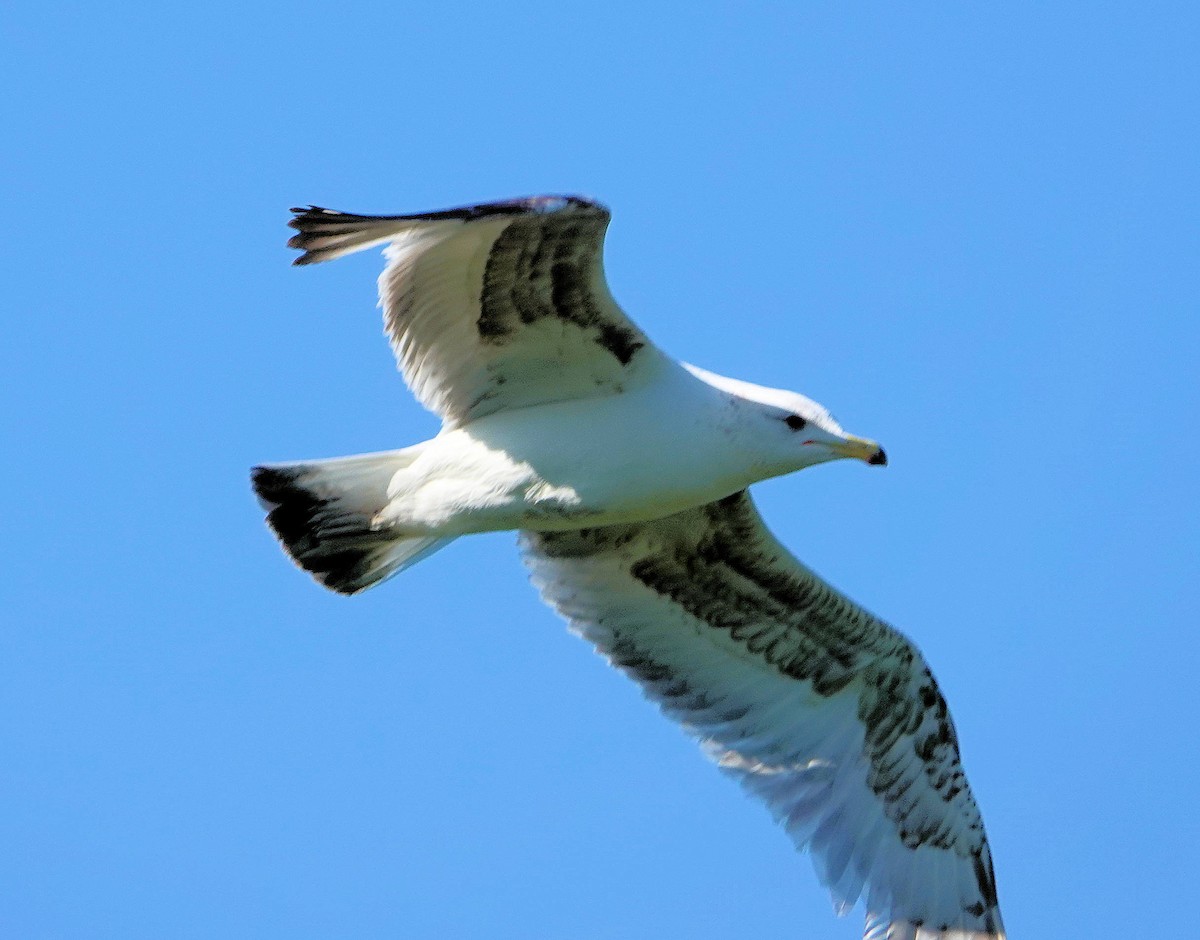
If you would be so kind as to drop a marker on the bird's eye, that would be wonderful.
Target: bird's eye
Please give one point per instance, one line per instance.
(795, 422)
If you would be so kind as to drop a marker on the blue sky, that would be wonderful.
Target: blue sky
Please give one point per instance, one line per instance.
(970, 231)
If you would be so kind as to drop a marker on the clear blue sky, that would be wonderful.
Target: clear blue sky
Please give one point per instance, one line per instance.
(970, 231)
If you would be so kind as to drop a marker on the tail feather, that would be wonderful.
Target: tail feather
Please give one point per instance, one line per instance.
(324, 512)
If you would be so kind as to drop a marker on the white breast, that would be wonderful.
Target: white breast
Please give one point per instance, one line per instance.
(622, 458)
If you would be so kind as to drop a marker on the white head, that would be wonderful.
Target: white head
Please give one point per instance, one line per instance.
(793, 432)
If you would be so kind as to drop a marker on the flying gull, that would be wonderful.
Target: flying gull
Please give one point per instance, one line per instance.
(626, 473)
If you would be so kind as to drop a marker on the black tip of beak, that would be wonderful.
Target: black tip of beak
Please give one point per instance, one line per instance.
(878, 459)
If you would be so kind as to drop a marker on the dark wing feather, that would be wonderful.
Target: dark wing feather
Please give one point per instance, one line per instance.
(814, 705)
(496, 306)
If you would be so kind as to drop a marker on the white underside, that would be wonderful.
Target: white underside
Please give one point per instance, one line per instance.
(644, 454)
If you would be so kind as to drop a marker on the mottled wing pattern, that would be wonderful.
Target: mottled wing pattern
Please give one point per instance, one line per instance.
(814, 705)
(496, 306)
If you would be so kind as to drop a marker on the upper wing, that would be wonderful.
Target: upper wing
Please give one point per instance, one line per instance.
(495, 306)
(826, 713)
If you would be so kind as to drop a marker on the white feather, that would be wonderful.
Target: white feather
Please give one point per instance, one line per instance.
(808, 755)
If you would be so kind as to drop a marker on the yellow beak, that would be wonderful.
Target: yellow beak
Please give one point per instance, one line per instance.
(861, 449)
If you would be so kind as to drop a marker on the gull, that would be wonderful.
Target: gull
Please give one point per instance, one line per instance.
(625, 473)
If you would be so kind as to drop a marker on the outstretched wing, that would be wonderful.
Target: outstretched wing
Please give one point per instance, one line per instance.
(496, 306)
(814, 705)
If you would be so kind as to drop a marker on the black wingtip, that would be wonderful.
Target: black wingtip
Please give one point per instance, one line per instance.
(324, 234)
(553, 202)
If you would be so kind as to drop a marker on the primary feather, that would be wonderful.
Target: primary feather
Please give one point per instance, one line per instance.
(815, 706)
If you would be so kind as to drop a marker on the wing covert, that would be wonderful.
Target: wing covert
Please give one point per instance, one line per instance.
(820, 709)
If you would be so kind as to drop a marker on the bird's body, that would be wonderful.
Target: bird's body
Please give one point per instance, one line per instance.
(511, 470)
(625, 471)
